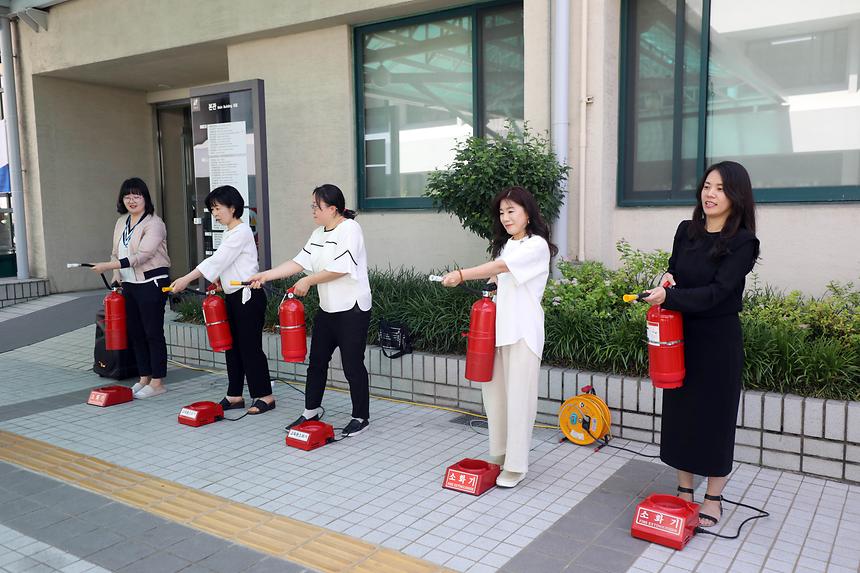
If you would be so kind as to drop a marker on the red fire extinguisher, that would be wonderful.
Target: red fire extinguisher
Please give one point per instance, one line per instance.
(665, 346)
(217, 326)
(291, 324)
(481, 343)
(116, 336)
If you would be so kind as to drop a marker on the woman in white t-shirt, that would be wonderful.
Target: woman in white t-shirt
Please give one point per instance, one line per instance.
(335, 260)
(521, 250)
(235, 259)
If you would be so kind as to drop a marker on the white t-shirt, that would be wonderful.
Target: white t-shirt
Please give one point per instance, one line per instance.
(519, 314)
(235, 259)
(340, 250)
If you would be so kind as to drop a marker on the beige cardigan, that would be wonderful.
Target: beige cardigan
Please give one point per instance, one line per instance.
(147, 251)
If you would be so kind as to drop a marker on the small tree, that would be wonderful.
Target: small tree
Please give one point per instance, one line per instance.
(483, 167)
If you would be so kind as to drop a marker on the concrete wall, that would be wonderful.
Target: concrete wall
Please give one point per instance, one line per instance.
(85, 32)
(310, 127)
(304, 54)
(89, 138)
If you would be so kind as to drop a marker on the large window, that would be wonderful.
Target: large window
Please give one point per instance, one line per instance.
(426, 82)
(773, 84)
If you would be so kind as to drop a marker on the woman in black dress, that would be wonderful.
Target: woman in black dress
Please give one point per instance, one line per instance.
(711, 256)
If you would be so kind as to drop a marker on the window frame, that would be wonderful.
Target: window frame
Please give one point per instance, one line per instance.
(807, 194)
(475, 11)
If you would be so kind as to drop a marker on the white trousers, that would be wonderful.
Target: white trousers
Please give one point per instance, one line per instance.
(511, 403)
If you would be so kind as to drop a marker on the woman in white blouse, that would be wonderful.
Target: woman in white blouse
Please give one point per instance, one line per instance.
(235, 259)
(335, 261)
(521, 250)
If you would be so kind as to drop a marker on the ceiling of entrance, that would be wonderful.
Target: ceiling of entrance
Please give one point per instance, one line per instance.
(184, 67)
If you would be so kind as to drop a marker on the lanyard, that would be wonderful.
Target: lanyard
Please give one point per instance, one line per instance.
(127, 232)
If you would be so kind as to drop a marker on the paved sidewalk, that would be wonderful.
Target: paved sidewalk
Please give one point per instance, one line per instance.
(572, 513)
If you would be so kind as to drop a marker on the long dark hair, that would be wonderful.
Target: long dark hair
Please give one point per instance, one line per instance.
(332, 195)
(134, 186)
(738, 188)
(536, 225)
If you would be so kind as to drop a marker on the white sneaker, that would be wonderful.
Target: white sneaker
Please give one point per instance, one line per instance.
(137, 387)
(148, 392)
(509, 479)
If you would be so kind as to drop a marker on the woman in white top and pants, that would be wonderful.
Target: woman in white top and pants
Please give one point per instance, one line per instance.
(235, 259)
(521, 249)
(335, 260)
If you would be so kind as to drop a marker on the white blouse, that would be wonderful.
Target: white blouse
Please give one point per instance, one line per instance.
(339, 250)
(235, 259)
(519, 314)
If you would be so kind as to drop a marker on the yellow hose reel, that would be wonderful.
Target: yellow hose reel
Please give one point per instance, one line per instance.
(584, 418)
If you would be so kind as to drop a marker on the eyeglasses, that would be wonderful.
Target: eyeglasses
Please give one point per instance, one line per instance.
(315, 207)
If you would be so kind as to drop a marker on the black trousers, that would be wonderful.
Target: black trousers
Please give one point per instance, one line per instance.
(346, 330)
(246, 359)
(144, 310)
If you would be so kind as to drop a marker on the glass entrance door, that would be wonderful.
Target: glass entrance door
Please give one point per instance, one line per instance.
(177, 206)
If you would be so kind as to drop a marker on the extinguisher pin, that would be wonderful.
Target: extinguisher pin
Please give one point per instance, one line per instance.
(166, 289)
(435, 278)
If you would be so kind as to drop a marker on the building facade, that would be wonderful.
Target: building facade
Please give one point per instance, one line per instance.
(371, 95)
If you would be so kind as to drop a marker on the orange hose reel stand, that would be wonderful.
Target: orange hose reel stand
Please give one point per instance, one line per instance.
(585, 418)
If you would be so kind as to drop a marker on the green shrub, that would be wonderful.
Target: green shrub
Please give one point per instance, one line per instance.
(793, 343)
(482, 167)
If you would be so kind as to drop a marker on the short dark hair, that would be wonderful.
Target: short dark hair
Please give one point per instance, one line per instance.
(134, 186)
(228, 196)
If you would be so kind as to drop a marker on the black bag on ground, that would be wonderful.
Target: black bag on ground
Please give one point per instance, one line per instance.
(116, 364)
(394, 339)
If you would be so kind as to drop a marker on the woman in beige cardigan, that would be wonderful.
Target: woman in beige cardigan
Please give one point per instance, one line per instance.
(139, 261)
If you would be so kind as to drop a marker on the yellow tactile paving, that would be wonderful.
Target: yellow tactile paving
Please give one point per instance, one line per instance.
(269, 533)
(388, 561)
(332, 552)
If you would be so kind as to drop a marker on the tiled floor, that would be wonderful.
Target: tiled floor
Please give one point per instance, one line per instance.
(384, 486)
(49, 526)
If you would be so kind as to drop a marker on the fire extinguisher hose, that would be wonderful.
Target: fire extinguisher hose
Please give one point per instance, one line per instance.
(89, 265)
(761, 513)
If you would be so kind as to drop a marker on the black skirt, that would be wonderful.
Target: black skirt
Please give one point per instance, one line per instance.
(698, 425)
